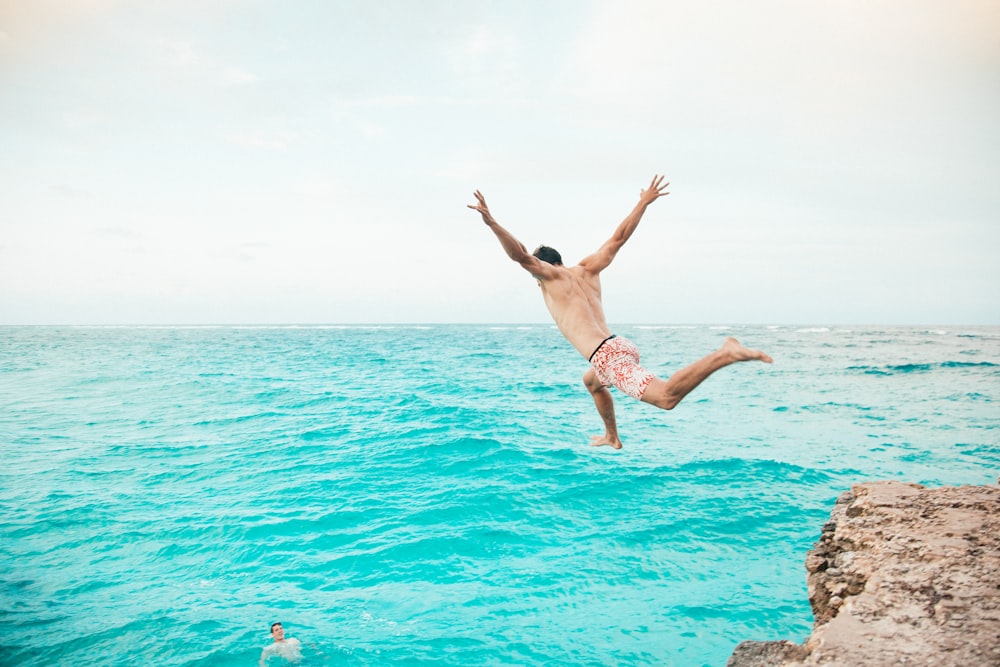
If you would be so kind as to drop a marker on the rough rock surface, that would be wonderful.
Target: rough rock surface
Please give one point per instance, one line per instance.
(902, 575)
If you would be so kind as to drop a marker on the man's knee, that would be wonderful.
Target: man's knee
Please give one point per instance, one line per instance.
(668, 402)
(658, 394)
(592, 382)
(662, 401)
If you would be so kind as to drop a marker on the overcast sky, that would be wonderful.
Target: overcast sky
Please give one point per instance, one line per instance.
(226, 161)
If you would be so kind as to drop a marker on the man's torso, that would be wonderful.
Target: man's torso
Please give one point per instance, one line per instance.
(573, 298)
(290, 649)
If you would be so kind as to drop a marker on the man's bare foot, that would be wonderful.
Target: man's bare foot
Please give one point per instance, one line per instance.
(605, 441)
(738, 352)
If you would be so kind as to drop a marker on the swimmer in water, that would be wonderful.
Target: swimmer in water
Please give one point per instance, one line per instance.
(573, 297)
(287, 648)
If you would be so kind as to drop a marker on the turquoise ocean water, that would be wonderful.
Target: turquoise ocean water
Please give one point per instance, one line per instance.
(426, 495)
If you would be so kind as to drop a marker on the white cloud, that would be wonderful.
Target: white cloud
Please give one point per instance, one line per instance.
(180, 54)
(325, 189)
(383, 102)
(373, 131)
(119, 233)
(68, 191)
(280, 141)
(77, 119)
(176, 54)
(486, 43)
(238, 76)
(489, 62)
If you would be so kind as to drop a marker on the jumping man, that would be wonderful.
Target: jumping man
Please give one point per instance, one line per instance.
(573, 297)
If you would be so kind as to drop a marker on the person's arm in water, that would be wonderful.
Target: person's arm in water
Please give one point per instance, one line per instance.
(606, 253)
(514, 248)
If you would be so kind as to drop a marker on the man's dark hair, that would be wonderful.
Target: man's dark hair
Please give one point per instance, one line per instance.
(274, 624)
(547, 254)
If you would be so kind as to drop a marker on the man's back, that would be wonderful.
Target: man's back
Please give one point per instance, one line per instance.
(573, 297)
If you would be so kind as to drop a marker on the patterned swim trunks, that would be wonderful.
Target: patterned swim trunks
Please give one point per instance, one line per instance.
(616, 362)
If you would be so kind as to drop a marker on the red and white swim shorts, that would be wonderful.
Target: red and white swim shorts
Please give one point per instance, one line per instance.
(616, 362)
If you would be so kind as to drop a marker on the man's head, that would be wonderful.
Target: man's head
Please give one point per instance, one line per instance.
(547, 254)
(277, 632)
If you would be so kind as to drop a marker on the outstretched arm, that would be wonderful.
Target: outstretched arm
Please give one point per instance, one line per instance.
(602, 258)
(514, 248)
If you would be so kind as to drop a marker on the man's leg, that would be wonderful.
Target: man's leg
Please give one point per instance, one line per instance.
(606, 408)
(667, 394)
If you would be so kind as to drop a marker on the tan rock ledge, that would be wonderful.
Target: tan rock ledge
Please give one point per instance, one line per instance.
(902, 575)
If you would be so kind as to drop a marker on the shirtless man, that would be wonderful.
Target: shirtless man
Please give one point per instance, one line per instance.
(289, 649)
(573, 297)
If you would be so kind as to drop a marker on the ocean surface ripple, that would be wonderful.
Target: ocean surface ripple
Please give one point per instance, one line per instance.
(425, 495)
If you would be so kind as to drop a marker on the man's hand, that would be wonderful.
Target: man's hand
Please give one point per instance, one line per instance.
(482, 208)
(656, 189)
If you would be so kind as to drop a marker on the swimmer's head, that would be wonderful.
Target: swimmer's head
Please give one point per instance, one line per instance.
(547, 254)
(277, 632)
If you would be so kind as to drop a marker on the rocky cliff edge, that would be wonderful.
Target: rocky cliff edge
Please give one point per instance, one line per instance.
(902, 575)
